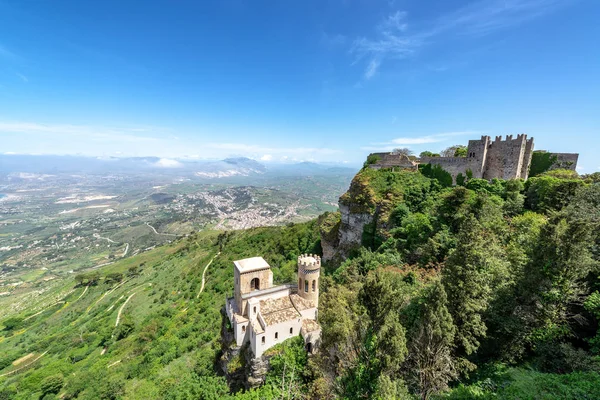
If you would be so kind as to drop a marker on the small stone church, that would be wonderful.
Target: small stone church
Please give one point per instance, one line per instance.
(264, 315)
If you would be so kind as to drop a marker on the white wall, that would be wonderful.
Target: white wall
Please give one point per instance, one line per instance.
(282, 328)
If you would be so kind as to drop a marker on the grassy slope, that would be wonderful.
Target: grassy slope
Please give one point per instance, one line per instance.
(165, 332)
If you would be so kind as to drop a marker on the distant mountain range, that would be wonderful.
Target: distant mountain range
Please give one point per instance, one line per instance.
(38, 166)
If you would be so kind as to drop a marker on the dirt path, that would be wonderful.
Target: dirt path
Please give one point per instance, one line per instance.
(121, 309)
(97, 236)
(24, 366)
(126, 249)
(204, 274)
(81, 295)
(158, 233)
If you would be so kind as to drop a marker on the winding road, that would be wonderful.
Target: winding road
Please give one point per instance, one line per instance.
(158, 233)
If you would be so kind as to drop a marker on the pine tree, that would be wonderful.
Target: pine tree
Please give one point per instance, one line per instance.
(432, 341)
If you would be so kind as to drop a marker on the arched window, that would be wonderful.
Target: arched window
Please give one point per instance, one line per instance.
(254, 310)
(263, 340)
(255, 284)
(299, 283)
(306, 286)
(243, 328)
(276, 335)
(314, 285)
(291, 331)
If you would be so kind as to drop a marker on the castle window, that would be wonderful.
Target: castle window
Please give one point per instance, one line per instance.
(300, 283)
(276, 335)
(255, 284)
(243, 329)
(291, 331)
(263, 340)
(306, 286)
(254, 309)
(314, 285)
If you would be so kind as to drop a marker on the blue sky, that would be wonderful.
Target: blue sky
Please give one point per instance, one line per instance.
(326, 80)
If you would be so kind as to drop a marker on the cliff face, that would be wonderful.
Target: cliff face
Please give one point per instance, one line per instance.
(350, 233)
(366, 208)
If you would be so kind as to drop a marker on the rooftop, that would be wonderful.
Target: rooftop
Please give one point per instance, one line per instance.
(275, 311)
(300, 303)
(270, 290)
(308, 325)
(251, 264)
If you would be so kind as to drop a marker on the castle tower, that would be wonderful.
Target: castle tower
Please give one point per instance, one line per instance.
(309, 270)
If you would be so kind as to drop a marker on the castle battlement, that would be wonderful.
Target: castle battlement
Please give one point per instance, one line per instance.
(508, 158)
(309, 261)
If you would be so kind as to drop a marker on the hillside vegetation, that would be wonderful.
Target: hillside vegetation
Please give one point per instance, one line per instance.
(485, 291)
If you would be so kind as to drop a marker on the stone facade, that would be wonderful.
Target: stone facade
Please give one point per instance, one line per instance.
(486, 159)
(394, 160)
(565, 161)
(264, 315)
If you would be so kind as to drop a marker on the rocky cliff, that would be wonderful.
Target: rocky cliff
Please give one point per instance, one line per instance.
(366, 209)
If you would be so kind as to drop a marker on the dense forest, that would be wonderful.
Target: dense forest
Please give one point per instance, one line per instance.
(484, 290)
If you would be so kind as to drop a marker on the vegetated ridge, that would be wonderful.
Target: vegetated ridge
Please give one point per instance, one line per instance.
(483, 290)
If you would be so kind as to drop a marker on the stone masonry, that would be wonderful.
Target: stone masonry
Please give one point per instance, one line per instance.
(486, 159)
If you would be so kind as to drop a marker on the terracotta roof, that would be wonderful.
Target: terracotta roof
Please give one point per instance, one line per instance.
(300, 303)
(309, 325)
(275, 311)
(272, 305)
(281, 316)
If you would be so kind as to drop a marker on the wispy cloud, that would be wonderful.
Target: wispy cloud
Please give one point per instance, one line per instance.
(333, 40)
(395, 38)
(23, 77)
(32, 137)
(92, 133)
(417, 140)
(372, 68)
(5, 53)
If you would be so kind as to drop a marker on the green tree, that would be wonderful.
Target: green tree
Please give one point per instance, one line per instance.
(52, 384)
(466, 279)
(431, 343)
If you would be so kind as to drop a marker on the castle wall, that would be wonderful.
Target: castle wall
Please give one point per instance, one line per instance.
(454, 165)
(505, 158)
(392, 160)
(283, 333)
(477, 153)
(565, 161)
(527, 158)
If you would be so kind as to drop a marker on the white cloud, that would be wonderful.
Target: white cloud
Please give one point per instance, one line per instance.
(89, 140)
(395, 38)
(23, 77)
(168, 163)
(417, 140)
(266, 157)
(372, 69)
(86, 131)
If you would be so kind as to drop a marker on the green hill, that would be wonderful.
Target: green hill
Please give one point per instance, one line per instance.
(488, 290)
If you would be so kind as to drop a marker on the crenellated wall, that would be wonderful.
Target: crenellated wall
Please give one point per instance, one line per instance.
(508, 158)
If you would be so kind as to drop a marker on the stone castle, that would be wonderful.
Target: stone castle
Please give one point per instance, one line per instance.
(486, 159)
(264, 315)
